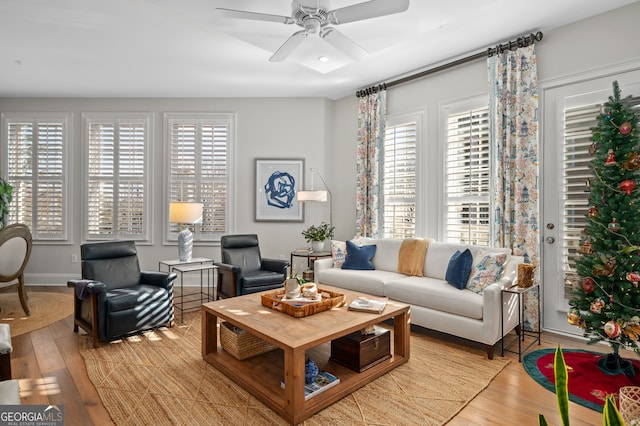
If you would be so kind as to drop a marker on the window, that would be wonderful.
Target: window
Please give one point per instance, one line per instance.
(399, 178)
(36, 163)
(117, 189)
(467, 177)
(198, 162)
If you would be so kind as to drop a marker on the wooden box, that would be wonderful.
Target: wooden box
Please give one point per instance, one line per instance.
(359, 351)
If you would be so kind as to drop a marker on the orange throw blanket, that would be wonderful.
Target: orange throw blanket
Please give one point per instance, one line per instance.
(411, 256)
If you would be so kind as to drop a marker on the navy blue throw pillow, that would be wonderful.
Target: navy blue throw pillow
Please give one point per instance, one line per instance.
(459, 269)
(359, 257)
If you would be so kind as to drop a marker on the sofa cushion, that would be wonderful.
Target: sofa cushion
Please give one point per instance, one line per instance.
(338, 252)
(486, 270)
(121, 299)
(387, 251)
(359, 257)
(459, 269)
(370, 282)
(261, 278)
(435, 294)
(411, 256)
(438, 255)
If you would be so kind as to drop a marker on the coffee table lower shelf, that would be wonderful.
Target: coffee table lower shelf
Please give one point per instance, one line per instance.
(261, 375)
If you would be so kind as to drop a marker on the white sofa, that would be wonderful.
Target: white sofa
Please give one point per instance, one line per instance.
(435, 304)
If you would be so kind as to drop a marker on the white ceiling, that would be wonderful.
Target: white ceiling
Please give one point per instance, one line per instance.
(179, 48)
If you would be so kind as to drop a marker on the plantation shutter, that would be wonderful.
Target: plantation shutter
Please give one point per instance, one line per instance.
(199, 171)
(468, 177)
(36, 171)
(399, 181)
(117, 186)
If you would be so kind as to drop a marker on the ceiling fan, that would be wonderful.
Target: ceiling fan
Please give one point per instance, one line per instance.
(316, 16)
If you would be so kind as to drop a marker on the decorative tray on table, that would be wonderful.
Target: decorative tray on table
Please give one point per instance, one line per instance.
(301, 307)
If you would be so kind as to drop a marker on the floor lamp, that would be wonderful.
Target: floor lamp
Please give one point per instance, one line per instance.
(185, 214)
(317, 195)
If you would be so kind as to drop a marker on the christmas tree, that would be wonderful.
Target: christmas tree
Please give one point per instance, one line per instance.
(607, 304)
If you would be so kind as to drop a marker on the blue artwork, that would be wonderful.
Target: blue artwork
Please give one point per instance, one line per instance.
(280, 190)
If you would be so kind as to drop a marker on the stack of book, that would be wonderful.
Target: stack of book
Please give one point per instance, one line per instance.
(323, 382)
(369, 304)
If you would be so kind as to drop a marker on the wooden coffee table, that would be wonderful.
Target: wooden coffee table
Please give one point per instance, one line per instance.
(297, 338)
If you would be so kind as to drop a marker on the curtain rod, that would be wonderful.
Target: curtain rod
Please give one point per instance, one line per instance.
(511, 45)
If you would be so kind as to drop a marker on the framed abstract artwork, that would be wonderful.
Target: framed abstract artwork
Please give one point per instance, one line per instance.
(277, 182)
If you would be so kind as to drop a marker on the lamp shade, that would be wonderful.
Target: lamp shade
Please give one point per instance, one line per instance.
(320, 195)
(183, 212)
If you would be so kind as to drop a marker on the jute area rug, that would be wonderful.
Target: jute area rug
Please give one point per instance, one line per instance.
(46, 308)
(160, 378)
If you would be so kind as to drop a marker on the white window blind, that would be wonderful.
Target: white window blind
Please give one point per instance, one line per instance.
(36, 169)
(199, 170)
(399, 180)
(578, 122)
(117, 194)
(468, 177)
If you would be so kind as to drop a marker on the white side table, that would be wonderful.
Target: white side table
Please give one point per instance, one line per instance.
(206, 268)
(169, 264)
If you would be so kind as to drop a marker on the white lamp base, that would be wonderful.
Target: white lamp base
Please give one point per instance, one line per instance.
(185, 245)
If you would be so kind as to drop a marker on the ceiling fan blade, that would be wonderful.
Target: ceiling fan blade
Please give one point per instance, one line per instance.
(343, 43)
(367, 10)
(254, 16)
(289, 46)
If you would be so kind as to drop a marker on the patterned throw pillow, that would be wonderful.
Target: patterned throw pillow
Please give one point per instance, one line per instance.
(338, 252)
(486, 270)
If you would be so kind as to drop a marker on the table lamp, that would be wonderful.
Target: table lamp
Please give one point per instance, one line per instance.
(185, 213)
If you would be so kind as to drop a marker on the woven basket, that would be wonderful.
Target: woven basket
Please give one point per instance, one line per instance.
(241, 344)
(630, 405)
(330, 300)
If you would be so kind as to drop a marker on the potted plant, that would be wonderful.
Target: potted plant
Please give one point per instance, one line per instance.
(317, 235)
(6, 194)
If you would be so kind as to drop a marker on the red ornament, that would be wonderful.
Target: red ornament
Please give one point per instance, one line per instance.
(625, 128)
(627, 186)
(593, 211)
(612, 329)
(614, 226)
(587, 285)
(633, 277)
(611, 159)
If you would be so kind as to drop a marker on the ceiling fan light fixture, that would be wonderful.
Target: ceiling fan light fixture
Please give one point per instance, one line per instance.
(311, 25)
(314, 16)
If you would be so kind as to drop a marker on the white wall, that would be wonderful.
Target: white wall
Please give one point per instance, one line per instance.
(266, 128)
(607, 40)
(324, 132)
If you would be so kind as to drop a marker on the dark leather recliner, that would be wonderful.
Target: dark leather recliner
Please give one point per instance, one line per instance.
(115, 298)
(244, 271)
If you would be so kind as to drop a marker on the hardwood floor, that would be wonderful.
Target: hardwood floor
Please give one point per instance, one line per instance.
(52, 371)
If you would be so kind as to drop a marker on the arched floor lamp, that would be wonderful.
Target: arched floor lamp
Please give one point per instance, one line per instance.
(317, 195)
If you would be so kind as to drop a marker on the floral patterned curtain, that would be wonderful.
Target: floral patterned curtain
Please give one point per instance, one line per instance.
(371, 117)
(513, 109)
